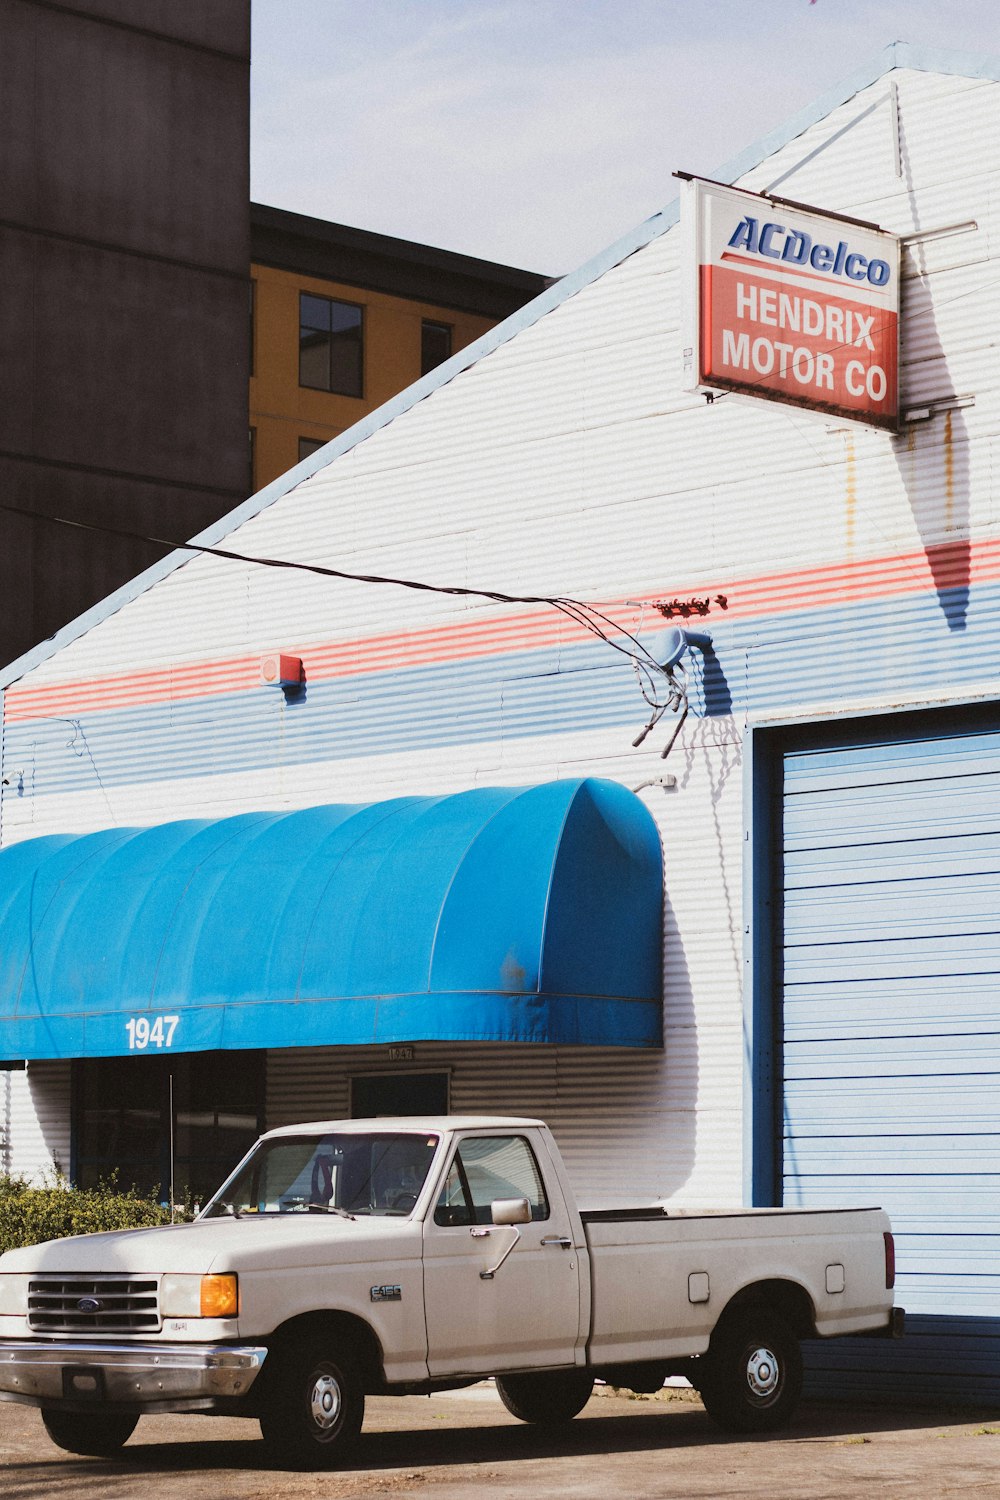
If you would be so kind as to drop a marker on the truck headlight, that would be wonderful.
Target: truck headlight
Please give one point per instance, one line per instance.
(183, 1296)
(13, 1295)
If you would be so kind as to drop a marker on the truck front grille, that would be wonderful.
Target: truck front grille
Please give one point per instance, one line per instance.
(92, 1304)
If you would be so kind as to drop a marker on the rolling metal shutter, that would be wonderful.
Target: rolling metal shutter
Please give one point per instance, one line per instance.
(891, 1031)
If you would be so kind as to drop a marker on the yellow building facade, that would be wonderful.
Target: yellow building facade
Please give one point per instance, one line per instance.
(343, 319)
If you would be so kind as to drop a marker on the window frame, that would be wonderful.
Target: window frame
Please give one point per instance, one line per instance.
(473, 1211)
(439, 326)
(329, 388)
(315, 445)
(251, 1063)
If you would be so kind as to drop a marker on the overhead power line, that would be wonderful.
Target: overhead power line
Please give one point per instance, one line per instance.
(648, 669)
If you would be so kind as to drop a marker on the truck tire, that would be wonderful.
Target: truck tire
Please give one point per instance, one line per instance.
(750, 1380)
(314, 1404)
(547, 1397)
(96, 1434)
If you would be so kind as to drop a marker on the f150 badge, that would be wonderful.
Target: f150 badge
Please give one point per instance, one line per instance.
(387, 1294)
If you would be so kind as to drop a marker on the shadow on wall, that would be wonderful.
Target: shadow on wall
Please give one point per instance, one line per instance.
(624, 1117)
(717, 699)
(680, 1063)
(935, 474)
(933, 455)
(722, 748)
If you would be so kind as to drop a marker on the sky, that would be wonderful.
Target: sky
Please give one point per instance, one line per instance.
(537, 132)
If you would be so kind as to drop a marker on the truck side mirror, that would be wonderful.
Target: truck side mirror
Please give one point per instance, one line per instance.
(511, 1211)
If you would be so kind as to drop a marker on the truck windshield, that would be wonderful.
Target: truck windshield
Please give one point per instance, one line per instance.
(348, 1173)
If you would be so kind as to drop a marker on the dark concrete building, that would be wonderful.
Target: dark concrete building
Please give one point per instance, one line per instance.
(124, 259)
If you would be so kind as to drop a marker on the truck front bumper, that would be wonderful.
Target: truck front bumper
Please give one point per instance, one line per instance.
(139, 1377)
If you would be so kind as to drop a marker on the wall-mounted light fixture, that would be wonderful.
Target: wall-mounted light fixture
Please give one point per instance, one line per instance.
(278, 670)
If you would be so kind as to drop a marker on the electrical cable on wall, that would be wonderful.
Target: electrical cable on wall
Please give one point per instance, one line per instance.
(650, 673)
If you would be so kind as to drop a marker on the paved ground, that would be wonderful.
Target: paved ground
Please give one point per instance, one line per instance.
(465, 1444)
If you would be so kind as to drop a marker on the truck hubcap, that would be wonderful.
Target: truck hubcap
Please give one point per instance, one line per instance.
(762, 1372)
(324, 1402)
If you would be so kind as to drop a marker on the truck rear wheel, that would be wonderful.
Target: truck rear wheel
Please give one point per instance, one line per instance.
(751, 1378)
(548, 1396)
(97, 1434)
(313, 1405)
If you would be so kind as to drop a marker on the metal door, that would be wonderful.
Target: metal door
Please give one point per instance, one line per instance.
(890, 951)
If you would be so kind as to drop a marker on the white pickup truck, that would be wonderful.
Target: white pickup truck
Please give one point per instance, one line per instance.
(413, 1255)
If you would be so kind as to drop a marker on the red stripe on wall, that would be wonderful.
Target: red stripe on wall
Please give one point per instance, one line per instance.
(490, 634)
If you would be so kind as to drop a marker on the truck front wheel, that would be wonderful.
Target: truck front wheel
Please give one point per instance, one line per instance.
(314, 1404)
(548, 1396)
(96, 1434)
(751, 1378)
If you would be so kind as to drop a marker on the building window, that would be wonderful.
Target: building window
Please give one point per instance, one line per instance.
(374, 1094)
(122, 1120)
(331, 345)
(308, 446)
(435, 345)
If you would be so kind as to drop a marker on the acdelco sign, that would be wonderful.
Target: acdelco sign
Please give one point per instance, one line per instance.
(792, 305)
(796, 247)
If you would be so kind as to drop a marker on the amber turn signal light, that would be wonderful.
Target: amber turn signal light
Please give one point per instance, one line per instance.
(219, 1296)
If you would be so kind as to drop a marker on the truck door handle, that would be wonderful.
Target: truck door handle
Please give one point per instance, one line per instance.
(558, 1239)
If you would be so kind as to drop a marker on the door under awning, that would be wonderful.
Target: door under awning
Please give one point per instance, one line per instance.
(498, 914)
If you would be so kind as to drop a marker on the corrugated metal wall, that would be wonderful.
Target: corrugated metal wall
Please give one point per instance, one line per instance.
(860, 571)
(625, 1135)
(35, 1128)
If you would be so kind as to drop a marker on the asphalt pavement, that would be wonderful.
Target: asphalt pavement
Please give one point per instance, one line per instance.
(464, 1444)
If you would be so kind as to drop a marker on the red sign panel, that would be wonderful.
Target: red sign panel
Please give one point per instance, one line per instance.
(795, 307)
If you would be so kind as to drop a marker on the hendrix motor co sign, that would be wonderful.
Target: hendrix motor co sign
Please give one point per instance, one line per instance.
(792, 305)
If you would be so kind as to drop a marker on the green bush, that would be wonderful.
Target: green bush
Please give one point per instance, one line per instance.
(29, 1215)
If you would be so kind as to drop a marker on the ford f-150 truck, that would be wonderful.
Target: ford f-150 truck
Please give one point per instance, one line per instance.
(411, 1255)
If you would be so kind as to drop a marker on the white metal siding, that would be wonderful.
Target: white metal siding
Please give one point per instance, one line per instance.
(623, 1118)
(35, 1138)
(570, 460)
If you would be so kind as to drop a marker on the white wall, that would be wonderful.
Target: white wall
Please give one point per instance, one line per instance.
(571, 461)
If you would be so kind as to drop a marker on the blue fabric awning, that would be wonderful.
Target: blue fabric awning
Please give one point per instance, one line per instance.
(499, 914)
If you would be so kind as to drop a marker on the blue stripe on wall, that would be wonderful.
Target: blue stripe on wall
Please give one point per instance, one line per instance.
(893, 649)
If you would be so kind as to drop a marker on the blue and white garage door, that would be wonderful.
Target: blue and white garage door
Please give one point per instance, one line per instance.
(890, 960)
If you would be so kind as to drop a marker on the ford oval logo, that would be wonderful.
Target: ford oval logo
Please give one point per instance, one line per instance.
(89, 1305)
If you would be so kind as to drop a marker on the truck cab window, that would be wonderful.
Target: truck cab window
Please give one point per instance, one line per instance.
(485, 1168)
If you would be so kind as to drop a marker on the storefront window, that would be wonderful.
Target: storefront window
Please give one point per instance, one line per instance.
(122, 1120)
